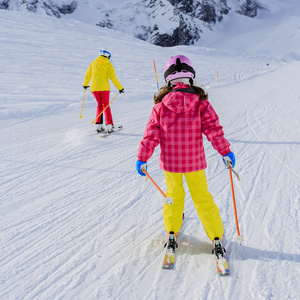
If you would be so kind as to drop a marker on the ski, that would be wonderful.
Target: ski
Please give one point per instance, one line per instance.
(219, 251)
(221, 263)
(169, 260)
(171, 245)
(222, 266)
(169, 257)
(104, 134)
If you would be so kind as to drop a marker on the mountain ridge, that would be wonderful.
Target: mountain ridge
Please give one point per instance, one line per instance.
(162, 22)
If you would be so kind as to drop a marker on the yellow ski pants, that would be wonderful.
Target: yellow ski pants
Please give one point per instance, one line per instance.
(207, 210)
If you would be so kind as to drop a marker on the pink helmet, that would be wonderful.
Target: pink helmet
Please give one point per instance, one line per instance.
(178, 66)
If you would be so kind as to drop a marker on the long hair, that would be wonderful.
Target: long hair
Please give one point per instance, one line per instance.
(168, 88)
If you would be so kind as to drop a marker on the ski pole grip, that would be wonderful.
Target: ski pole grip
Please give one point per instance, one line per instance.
(143, 168)
(228, 162)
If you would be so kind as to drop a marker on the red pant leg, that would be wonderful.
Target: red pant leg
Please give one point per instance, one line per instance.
(99, 119)
(102, 98)
(107, 112)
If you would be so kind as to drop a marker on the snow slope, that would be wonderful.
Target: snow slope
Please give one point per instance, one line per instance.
(78, 222)
(274, 32)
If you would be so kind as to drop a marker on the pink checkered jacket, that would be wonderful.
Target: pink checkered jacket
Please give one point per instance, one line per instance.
(177, 124)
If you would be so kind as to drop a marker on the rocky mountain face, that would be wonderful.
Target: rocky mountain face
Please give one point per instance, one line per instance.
(51, 8)
(162, 22)
(188, 18)
(248, 8)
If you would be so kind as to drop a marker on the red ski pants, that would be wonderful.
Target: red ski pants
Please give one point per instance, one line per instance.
(102, 98)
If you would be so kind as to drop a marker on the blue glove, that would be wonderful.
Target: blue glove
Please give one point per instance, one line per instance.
(140, 164)
(229, 160)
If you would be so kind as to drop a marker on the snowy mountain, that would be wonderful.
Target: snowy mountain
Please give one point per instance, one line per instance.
(162, 22)
(55, 8)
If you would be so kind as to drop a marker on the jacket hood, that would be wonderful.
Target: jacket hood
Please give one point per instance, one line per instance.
(102, 60)
(180, 101)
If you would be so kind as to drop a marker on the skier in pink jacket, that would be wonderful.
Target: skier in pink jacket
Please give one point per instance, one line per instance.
(180, 117)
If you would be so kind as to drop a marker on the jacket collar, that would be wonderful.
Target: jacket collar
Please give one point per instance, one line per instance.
(184, 88)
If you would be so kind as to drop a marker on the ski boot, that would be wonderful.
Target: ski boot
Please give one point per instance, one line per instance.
(110, 128)
(100, 128)
(218, 249)
(171, 244)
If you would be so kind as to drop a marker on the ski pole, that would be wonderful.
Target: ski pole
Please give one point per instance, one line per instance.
(93, 122)
(155, 74)
(168, 200)
(238, 238)
(82, 104)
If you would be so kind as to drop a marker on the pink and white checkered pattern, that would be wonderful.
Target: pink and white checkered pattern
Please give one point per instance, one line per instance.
(177, 124)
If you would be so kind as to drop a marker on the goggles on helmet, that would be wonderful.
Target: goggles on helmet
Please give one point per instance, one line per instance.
(105, 53)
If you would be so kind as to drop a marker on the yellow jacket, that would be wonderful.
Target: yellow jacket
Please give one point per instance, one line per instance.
(100, 70)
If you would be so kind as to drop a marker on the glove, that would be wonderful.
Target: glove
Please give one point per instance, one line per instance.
(85, 87)
(141, 165)
(121, 91)
(229, 160)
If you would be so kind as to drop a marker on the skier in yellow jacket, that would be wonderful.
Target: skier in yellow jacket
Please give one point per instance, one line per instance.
(99, 71)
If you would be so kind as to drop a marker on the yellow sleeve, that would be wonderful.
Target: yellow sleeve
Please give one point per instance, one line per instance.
(88, 75)
(112, 76)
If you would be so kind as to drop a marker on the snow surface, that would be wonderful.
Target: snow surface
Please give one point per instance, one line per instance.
(274, 32)
(78, 222)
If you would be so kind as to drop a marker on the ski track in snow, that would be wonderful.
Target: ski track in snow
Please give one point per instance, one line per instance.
(77, 222)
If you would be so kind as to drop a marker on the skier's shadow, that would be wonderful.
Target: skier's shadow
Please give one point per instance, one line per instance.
(243, 253)
(194, 246)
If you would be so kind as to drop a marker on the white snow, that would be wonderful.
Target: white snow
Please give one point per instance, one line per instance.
(78, 222)
(274, 32)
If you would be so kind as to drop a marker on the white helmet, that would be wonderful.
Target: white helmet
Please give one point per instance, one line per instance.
(105, 54)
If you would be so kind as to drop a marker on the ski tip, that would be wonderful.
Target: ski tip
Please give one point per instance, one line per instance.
(168, 266)
(169, 260)
(220, 273)
(222, 267)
